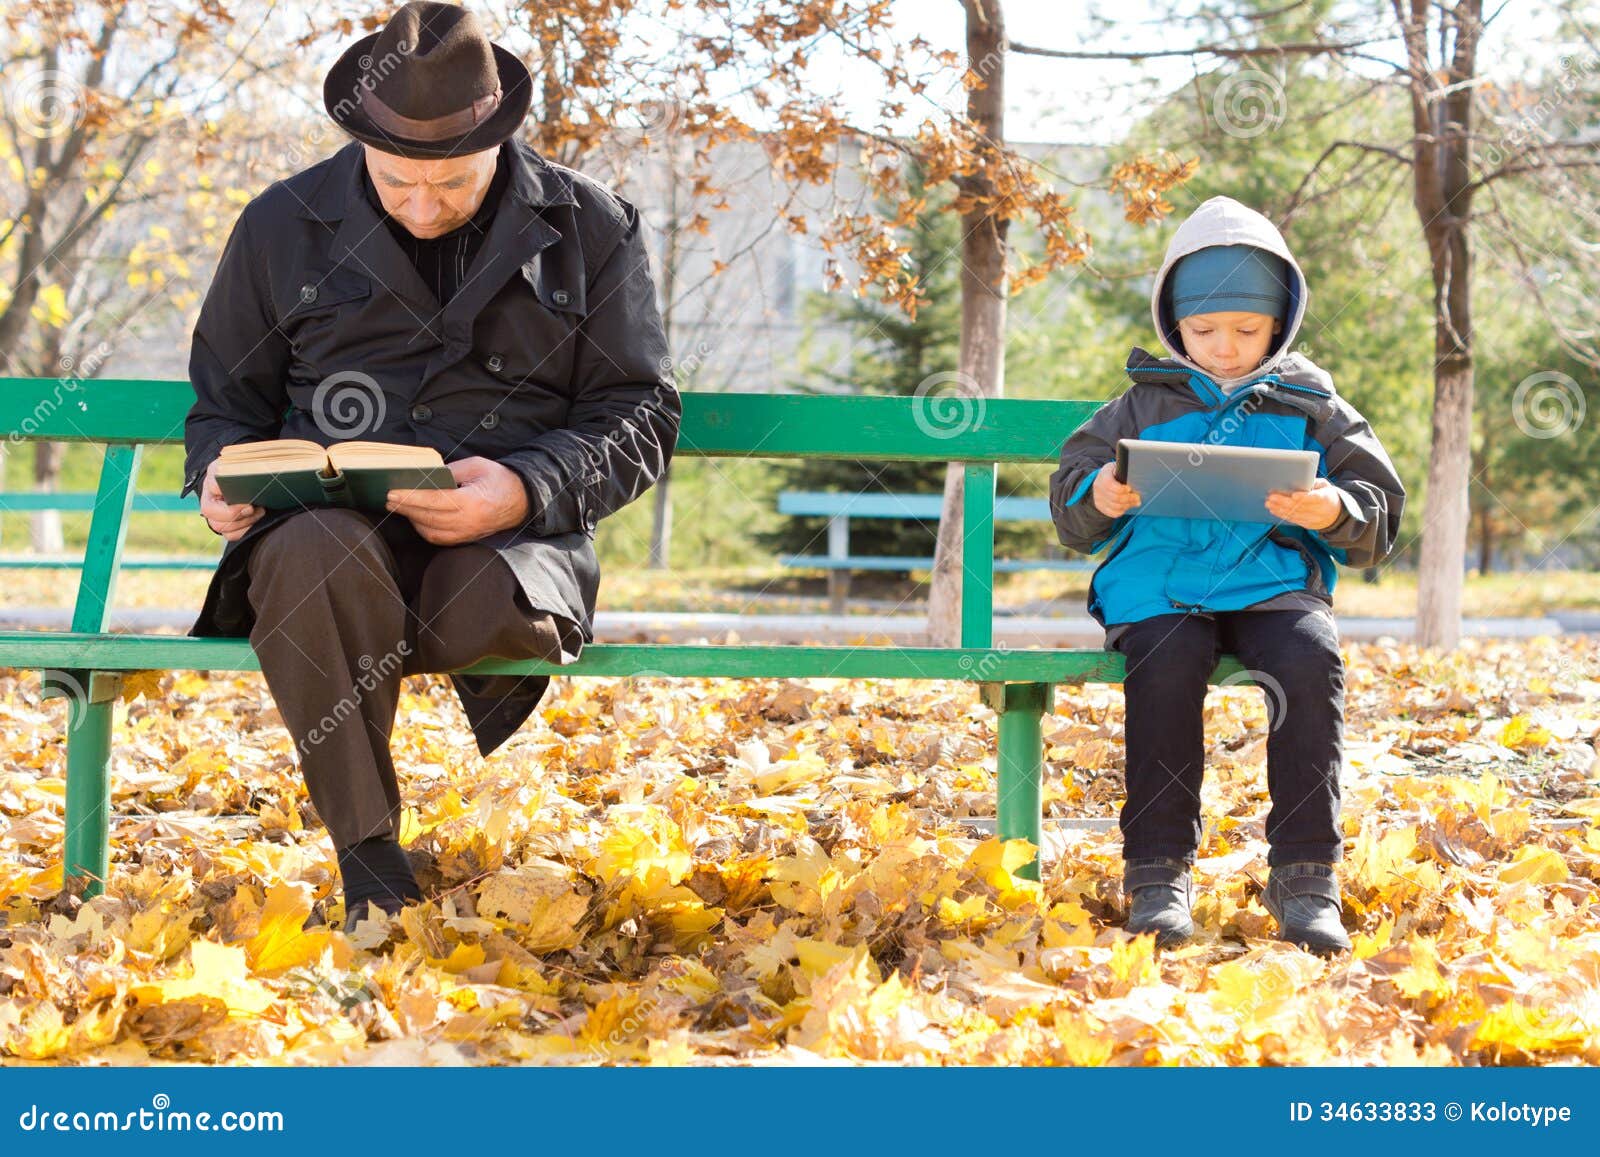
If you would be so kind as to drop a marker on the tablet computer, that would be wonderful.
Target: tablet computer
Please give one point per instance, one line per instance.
(1200, 480)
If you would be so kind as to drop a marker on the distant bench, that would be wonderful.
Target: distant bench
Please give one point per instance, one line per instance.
(839, 509)
(28, 502)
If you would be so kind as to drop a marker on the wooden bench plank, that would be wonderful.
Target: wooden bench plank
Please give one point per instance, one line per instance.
(21, 501)
(720, 425)
(912, 562)
(116, 652)
(926, 507)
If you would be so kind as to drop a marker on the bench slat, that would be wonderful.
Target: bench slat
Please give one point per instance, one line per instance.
(17, 502)
(916, 563)
(118, 652)
(927, 507)
(860, 426)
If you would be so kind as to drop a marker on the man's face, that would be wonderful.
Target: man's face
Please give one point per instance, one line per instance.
(1227, 345)
(430, 198)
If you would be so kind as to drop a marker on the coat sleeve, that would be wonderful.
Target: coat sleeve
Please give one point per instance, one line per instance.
(238, 360)
(1370, 489)
(623, 423)
(1080, 526)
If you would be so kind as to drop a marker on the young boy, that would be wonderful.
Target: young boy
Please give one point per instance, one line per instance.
(1176, 594)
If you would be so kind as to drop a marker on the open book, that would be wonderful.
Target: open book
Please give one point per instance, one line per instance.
(290, 472)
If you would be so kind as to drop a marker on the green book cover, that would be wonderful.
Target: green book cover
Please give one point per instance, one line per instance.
(366, 488)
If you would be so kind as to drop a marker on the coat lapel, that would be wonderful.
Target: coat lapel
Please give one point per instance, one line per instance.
(362, 243)
(518, 234)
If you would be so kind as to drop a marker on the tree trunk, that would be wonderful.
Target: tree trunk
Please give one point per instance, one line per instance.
(661, 525)
(1444, 542)
(1441, 104)
(1486, 507)
(983, 302)
(44, 526)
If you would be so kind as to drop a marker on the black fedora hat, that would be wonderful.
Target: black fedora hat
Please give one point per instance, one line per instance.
(428, 84)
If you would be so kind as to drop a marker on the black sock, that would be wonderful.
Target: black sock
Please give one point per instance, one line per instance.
(376, 869)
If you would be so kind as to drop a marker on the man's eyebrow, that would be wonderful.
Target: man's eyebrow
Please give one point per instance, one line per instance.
(398, 181)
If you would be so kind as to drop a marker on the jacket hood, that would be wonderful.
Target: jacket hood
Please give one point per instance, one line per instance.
(1224, 221)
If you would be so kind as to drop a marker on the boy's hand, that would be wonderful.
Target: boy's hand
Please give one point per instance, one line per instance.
(1112, 498)
(1314, 509)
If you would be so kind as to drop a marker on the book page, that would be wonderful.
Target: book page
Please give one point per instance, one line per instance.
(382, 455)
(276, 456)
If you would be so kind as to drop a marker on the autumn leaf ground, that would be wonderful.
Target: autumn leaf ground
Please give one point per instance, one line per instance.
(730, 872)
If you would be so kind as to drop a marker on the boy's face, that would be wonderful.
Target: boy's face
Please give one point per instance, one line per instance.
(1227, 345)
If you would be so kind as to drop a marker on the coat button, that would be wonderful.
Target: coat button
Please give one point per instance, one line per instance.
(308, 293)
(496, 363)
(490, 420)
(421, 414)
(561, 297)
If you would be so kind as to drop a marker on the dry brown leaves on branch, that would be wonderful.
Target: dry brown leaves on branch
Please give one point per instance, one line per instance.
(722, 872)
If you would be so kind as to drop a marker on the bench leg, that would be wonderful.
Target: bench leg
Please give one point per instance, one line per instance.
(838, 592)
(1019, 811)
(91, 703)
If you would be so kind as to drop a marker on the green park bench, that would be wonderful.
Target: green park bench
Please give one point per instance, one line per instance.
(86, 664)
(839, 509)
(26, 502)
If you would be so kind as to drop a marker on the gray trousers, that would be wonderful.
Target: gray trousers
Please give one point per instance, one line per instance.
(341, 617)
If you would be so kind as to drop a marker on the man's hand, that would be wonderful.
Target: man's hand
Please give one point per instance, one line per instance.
(488, 497)
(1112, 498)
(1314, 509)
(222, 516)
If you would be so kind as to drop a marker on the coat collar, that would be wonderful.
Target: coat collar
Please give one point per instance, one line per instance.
(1295, 381)
(517, 239)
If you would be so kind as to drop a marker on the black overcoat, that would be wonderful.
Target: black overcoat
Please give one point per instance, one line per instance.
(550, 359)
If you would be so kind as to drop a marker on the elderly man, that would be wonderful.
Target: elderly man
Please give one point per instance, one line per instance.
(435, 282)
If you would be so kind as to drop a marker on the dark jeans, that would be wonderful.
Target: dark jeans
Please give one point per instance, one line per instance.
(1294, 656)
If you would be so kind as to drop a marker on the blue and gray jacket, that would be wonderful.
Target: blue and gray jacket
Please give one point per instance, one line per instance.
(1156, 566)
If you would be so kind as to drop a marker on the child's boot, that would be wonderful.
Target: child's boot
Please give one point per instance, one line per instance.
(1160, 892)
(1304, 900)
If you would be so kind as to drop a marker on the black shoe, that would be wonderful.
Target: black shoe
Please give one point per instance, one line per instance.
(363, 911)
(1160, 892)
(1304, 900)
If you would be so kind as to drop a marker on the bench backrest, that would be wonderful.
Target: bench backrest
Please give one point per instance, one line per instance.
(126, 414)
